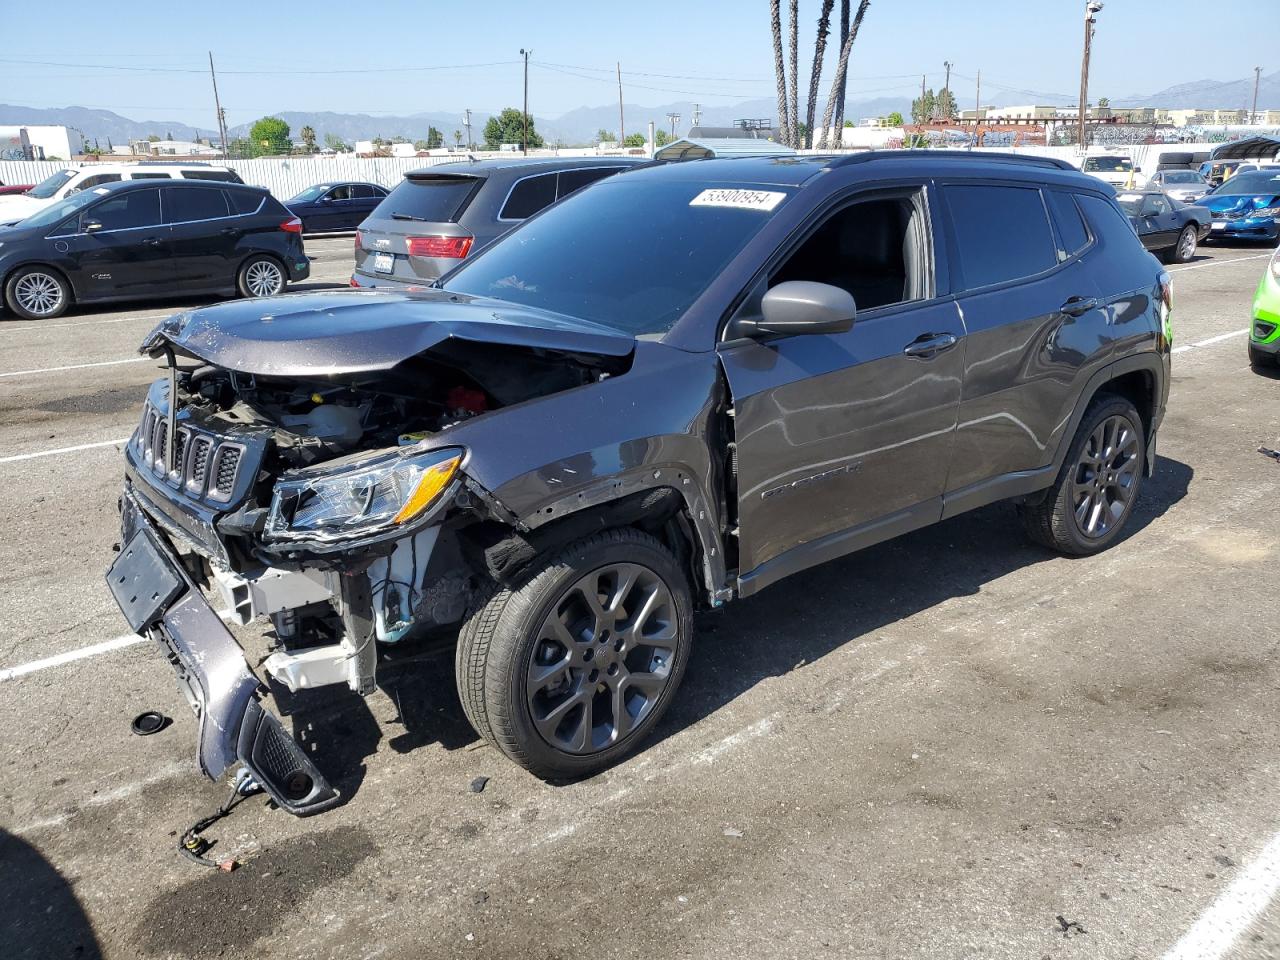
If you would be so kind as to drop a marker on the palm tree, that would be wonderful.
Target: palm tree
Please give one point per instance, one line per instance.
(842, 69)
(793, 110)
(819, 51)
(309, 138)
(844, 35)
(779, 68)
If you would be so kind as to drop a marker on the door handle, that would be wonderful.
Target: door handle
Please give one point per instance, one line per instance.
(1078, 306)
(152, 241)
(230, 232)
(930, 344)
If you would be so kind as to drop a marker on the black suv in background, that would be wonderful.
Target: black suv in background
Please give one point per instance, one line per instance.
(146, 238)
(440, 215)
(667, 392)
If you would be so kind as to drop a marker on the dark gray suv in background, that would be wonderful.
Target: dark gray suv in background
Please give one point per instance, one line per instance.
(440, 215)
(667, 392)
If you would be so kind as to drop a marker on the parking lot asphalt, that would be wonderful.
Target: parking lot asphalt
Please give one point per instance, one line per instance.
(954, 744)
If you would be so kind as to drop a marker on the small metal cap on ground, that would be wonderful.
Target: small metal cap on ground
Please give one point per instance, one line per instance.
(149, 722)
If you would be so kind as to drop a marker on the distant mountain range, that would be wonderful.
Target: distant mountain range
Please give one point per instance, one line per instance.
(580, 125)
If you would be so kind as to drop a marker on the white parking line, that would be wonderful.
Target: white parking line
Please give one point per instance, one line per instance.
(1237, 907)
(1216, 263)
(53, 453)
(70, 656)
(72, 366)
(1212, 340)
(37, 327)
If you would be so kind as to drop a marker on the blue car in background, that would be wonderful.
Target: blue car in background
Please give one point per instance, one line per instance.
(1246, 207)
(327, 207)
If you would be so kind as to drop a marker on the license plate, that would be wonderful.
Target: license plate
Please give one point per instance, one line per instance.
(143, 581)
(1219, 225)
(384, 262)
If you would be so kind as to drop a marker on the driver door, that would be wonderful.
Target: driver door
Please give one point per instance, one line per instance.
(1159, 222)
(844, 439)
(118, 247)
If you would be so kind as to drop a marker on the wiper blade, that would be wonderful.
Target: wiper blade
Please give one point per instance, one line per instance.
(409, 216)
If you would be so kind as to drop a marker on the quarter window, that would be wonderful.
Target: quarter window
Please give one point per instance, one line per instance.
(1072, 234)
(244, 201)
(571, 180)
(1002, 233)
(186, 204)
(529, 196)
(136, 208)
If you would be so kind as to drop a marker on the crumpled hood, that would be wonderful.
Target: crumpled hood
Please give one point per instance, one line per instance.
(317, 334)
(1237, 203)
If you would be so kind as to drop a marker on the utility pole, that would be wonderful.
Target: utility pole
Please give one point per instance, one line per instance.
(622, 133)
(977, 99)
(222, 121)
(674, 118)
(697, 114)
(923, 118)
(1091, 9)
(946, 88)
(466, 122)
(1253, 114)
(525, 142)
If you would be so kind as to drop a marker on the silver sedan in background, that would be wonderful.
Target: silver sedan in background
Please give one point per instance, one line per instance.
(1185, 185)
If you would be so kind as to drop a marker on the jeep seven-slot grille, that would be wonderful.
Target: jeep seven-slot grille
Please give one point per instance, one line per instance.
(204, 466)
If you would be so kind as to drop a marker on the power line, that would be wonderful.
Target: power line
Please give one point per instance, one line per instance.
(361, 70)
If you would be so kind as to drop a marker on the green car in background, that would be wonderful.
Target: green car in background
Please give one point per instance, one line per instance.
(1264, 333)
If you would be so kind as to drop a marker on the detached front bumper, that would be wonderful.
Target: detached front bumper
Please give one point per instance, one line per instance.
(160, 601)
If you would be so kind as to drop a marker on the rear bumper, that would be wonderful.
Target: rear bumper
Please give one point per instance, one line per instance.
(161, 602)
(367, 281)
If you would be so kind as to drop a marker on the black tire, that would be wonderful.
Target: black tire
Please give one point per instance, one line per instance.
(1056, 521)
(1261, 359)
(29, 288)
(1184, 249)
(506, 637)
(250, 277)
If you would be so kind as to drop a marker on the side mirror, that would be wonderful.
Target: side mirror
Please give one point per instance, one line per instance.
(804, 306)
(89, 226)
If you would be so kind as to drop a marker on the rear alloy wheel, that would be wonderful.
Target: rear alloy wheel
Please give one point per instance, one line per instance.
(1084, 511)
(1185, 249)
(37, 293)
(261, 277)
(568, 671)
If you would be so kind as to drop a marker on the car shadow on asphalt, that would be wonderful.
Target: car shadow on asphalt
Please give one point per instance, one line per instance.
(40, 916)
(791, 624)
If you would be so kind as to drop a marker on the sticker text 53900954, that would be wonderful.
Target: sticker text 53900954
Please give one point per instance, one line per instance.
(746, 199)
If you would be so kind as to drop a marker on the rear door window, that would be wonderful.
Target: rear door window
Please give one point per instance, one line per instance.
(571, 180)
(126, 211)
(1002, 233)
(432, 199)
(529, 196)
(362, 191)
(1072, 234)
(188, 204)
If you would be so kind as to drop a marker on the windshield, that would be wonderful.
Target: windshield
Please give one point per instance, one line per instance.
(50, 185)
(62, 208)
(627, 254)
(309, 194)
(1257, 181)
(1107, 164)
(1181, 176)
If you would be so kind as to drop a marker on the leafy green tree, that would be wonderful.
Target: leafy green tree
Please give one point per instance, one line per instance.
(894, 119)
(946, 105)
(848, 123)
(241, 147)
(335, 142)
(168, 134)
(270, 135)
(661, 138)
(435, 139)
(924, 109)
(604, 136)
(635, 140)
(308, 135)
(508, 127)
(457, 138)
(421, 145)
(152, 138)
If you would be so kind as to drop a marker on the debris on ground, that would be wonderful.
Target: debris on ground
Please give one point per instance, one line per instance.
(1068, 926)
(1224, 861)
(478, 784)
(731, 832)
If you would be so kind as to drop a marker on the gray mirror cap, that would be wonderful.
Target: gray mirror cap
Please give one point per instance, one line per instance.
(806, 306)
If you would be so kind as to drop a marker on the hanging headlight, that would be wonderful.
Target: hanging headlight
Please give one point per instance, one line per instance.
(362, 500)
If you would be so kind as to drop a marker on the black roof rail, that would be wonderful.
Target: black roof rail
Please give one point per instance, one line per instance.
(924, 154)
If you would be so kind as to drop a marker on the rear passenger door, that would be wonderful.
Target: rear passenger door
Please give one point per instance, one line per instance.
(204, 239)
(1035, 329)
(844, 439)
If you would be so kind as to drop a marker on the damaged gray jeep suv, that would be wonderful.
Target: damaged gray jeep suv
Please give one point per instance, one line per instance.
(664, 393)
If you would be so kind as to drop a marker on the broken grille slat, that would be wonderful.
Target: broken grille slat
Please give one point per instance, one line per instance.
(205, 467)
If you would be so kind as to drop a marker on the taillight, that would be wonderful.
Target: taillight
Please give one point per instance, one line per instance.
(359, 242)
(292, 225)
(352, 282)
(1166, 307)
(452, 247)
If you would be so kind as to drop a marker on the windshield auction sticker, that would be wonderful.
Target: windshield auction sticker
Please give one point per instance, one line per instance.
(744, 199)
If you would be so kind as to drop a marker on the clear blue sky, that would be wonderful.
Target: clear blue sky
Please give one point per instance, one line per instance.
(349, 57)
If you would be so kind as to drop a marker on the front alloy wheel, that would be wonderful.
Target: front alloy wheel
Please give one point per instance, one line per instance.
(37, 293)
(569, 668)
